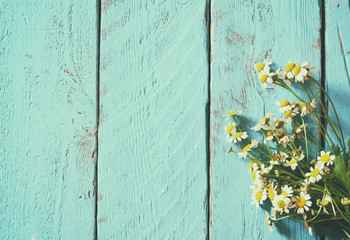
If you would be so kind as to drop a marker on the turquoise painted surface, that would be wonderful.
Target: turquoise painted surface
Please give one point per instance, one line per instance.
(48, 115)
(154, 101)
(338, 69)
(152, 136)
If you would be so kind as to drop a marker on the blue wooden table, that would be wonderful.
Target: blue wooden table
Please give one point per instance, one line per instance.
(112, 111)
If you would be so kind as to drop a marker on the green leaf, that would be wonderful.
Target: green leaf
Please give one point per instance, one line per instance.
(340, 169)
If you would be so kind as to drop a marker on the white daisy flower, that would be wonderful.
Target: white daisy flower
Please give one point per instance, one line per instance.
(324, 202)
(238, 136)
(300, 72)
(246, 149)
(284, 106)
(292, 164)
(326, 158)
(234, 113)
(302, 202)
(315, 174)
(286, 191)
(230, 130)
(266, 77)
(259, 196)
(283, 156)
(264, 123)
(268, 222)
(253, 166)
(262, 67)
(281, 204)
(289, 68)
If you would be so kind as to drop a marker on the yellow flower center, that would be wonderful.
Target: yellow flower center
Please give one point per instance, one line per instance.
(229, 129)
(287, 113)
(291, 162)
(253, 176)
(304, 104)
(263, 78)
(281, 204)
(246, 148)
(315, 172)
(296, 70)
(290, 67)
(268, 221)
(231, 114)
(260, 67)
(250, 165)
(301, 202)
(269, 133)
(235, 135)
(258, 195)
(325, 202)
(278, 124)
(271, 193)
(284, 193)
(325, 158)
(345, 201)
(284, 103)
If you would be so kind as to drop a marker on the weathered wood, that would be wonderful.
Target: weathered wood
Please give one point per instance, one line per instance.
(337, 40)
(152, 180)
(245, 32)
(48, 116)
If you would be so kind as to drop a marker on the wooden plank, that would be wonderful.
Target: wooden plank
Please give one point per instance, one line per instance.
(152, 180)
(48, 116)
(337, 40)
(243, 33)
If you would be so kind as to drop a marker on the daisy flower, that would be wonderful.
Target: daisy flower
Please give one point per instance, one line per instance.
(326, 158)
(345, 201)
(324, 202)
(286, 191)
(284, 106)
(264, 123)
(268, 221)
(315, 174)
(300, 72)
(302, 202)
(238, 136)
(307, 107)
(253, 166)
(288, 72)
(259, 196)
(266, 77)
(234, 113)
(281, 204)
(262, 67)
(249, 147)
(292, 164)
(269, 136)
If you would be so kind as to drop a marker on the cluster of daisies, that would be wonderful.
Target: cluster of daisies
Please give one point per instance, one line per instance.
(293, 73)
(289, 167)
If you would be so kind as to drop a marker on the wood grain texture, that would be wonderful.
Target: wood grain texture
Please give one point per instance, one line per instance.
(48, 116)
(245, 32)
(337, 40)
(152, 136)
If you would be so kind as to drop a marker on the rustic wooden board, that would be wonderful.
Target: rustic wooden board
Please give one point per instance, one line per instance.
(48, 116)
(337, 42)
(152, 181)
(245, 32)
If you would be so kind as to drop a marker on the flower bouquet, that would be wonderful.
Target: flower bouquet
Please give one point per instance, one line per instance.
(303, 178)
